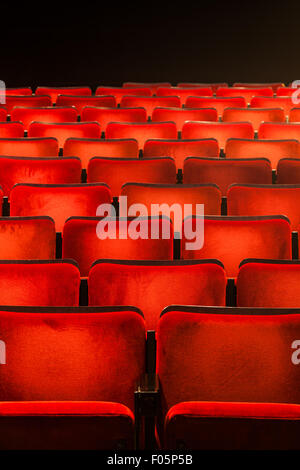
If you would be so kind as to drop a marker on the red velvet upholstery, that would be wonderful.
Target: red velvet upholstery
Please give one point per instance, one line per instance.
(53, 92)
(279, 131)
(107, 115)
(288, 171)
(26, 100)
(58, 201)
(181, 115)
(119, 92)
(227, 368)
(63, 130)
(218, 103)
(283, 102)
(86, 149)
(11, 130)
(180, 194)
(181, 149)
(224, 172)
(81, 101)
(285, 91)
(245, 92)
(81, 242)
(213, 86)
(150, 102)
(263, 283)
(222, 131)
(43, 283)
(153, 86)
(70, 377)
(117, 171)
(265, 200)
(153, 285)
(3, 114)
(19, 91)
(46, 114)
(274, 150)
(184, 92)
(25, 147)
(141, 131)
(44, 170)
(274, 85)
(27, 238)
(294, 114)
(254, 115)
(260, 237)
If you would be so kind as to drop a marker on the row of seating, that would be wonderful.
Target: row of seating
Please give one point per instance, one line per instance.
(218, 369)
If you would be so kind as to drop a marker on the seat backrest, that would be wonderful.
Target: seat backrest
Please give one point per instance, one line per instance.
(181, 149)
(87, 239)
(283, 102)
(14, 170)
(63, 130)
(181, 115)
(86, 149)
(152, 85)
(150, 102)
(59, 201)
(79, 102)
(11, 130)
(219, 103)
(245, 92)
(19, 91)
(288, 171)
(254, 115)
(117, 171)
(217, 354)
(3, 114)
(26, 100)
(294, 115)
(53, 92)
(274, 150)
(46, 283)
(45, 114)
(224, 172)
(153, 285)
(27, 238)
(285, 91)
(263, 237)
(184, 92)
(141, 131)
(213, 86)
(268, 283)
(72, 354)
(273, 130)
(119, 92)
(274, 85)
(253, 200)
(222, 131)
(106, 115)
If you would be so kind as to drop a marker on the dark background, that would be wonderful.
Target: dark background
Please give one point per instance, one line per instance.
(84, 44)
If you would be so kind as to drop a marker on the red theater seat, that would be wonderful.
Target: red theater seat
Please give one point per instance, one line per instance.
(268, 283)
(218, 103)
(273, 150)
(181, 115)
(213, 86)
(46, 283)
(3, 114)
(14, 170)
(247, 93)
(285, 91)
(58, 201)
(86, 149)
(271, 130)
(181, 197)
(117, 171)
(180, 149)
(232, 239)
(294, 115)
(106, 115)
(153, 285)
(79, 102)
(81, 240)
(283, 102)
(255, 116)
(224, 172)
(27, 238)
(19, 91)
(61, 387)
(11, 130)
(288, 171)
(150, 102)
(222, 131)
(63, 130)
(253, 200)
(153, 86)
(227, 380)
(25, 147)
(274, 85)
(27, 101)
(53, 92)
(183, 92)
(46, 114)
(119, 92)
(141, 131)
